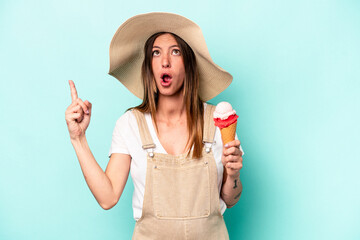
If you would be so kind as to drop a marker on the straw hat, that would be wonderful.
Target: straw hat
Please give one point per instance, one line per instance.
(127, 52)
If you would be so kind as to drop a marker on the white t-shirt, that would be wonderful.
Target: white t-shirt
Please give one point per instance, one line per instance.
(126, 139)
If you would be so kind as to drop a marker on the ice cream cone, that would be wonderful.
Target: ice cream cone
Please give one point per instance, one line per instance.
(228, 133)
(226, 119)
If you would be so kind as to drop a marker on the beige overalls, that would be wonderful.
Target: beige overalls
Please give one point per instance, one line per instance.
(181, 199)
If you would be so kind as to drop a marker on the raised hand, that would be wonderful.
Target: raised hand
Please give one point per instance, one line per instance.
(77, 115)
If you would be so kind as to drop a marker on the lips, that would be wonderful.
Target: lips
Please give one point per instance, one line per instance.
(166, 79)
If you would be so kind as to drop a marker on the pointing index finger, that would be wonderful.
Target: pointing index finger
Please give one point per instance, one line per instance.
(74, 95)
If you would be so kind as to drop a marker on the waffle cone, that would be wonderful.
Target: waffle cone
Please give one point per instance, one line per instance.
(228, 133)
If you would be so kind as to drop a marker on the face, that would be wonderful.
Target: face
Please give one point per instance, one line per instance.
(168, 65)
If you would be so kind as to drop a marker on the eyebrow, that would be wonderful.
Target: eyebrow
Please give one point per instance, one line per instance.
(169, 47)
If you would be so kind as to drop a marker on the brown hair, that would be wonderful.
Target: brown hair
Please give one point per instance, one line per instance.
(194, 105)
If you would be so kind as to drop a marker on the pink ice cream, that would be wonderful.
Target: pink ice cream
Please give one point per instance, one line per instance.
(224, 115)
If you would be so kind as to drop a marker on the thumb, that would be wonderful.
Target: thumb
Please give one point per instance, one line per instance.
(89, 105)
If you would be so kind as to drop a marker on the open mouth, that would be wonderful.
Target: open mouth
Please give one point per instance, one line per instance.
(166, 77)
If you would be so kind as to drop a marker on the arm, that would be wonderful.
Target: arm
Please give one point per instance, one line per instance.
(231, 189)
(232, 161)
(107, 186)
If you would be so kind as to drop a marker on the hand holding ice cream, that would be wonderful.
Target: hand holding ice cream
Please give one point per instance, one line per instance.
(226, 119)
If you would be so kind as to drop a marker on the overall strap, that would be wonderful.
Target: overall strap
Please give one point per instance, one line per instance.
(209, 127)
(147, 142)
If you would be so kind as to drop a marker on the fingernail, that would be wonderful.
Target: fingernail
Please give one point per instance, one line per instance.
(87, 111)
(226, 145)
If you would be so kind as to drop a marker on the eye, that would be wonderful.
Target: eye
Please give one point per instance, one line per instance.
(156, 53)
(176, 52)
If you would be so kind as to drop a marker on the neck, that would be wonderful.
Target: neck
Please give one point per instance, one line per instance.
(170, 107)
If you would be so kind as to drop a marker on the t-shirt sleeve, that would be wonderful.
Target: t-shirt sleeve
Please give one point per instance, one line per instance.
(118, 143)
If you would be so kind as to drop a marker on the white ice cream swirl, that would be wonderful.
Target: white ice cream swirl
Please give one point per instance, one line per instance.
(223, 110)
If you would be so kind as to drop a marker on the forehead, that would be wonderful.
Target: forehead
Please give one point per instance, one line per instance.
(165, 38)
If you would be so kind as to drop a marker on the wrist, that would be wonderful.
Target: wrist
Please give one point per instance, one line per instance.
(79, 140)
(233, 176)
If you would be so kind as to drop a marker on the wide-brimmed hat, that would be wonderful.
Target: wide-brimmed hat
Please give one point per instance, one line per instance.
(127, 52)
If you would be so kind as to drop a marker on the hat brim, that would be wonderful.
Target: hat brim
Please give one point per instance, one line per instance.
(127, 52)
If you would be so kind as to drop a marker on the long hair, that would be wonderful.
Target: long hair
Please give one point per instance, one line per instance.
(194, 105)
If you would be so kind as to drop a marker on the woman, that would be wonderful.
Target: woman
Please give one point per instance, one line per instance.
(184, 178)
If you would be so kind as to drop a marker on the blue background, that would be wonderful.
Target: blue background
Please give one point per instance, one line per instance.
(296, 67)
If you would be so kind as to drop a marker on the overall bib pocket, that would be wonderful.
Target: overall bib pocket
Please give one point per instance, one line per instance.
(177, 194)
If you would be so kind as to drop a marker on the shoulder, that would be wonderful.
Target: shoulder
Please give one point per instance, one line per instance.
(206, 105)
(208, 111)
(129, 115)
(126, 120)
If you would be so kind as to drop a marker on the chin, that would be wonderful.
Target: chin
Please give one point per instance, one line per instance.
(170, 93)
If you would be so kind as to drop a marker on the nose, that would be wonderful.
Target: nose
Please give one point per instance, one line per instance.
(165, 62)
